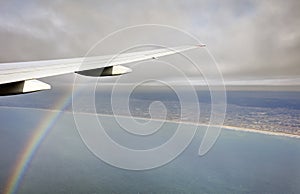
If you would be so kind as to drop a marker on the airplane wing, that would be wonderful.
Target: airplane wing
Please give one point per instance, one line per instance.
(20, 77)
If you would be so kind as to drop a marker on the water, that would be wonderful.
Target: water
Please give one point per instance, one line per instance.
(240, 162)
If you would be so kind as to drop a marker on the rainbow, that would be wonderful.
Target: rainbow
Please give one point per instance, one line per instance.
(40, 133)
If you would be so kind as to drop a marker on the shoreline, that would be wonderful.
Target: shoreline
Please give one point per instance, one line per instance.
(226, 127)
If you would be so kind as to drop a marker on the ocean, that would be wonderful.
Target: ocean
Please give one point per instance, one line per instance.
(42, 152)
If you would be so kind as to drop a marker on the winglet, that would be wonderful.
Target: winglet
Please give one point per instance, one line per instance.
(201, 45)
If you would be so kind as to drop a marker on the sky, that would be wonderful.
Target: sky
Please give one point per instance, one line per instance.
(250, 40)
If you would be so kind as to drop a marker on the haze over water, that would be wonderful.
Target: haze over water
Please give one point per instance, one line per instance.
(240, 162)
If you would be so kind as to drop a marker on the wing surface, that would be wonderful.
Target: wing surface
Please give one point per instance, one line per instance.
(107, 65)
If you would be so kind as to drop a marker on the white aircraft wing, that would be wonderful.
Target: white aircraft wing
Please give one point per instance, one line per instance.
(20, 77)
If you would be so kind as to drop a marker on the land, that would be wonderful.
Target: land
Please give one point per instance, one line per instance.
(273, 113)
(275, 120)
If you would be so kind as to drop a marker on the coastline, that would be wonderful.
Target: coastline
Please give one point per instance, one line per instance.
(233, 128)
(226, 127)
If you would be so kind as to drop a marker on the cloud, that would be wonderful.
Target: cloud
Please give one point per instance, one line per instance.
(253, 39)
(262, 42)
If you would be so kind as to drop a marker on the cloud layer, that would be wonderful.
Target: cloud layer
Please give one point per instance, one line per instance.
(253, 39)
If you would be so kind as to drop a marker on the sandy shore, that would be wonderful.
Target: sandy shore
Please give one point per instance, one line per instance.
(234, 128)
(261, 131)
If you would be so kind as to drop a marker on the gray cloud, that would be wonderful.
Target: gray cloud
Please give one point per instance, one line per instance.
(253, 39)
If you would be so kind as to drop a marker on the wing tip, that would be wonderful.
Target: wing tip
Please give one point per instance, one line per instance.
(201, 45)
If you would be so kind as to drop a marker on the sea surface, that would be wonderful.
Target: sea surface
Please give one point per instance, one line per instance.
(239, 162)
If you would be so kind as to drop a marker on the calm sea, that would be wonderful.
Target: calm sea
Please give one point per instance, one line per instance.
(239, 162)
